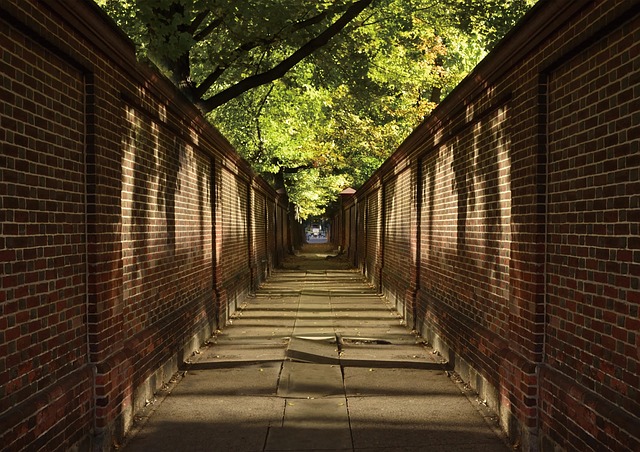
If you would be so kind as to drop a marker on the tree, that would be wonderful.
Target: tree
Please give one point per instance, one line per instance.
(216, 50)
(315, 94)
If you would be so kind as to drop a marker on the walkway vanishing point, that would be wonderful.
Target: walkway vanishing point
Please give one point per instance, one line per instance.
(315, 361)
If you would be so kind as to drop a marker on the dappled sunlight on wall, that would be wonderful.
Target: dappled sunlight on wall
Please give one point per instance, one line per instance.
(466, 232)
(232, 241)
(166, 231)
(373, 236)
(397, 240)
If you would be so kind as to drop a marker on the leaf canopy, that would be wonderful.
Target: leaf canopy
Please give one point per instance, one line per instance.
(316, 94)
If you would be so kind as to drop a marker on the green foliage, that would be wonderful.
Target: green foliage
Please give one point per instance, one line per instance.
(334, 116)
(490, 20)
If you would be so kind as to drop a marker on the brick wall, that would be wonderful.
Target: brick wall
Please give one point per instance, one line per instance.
(129, 228)
(352, 233)
(593, 263)
(361, 232)
(232, 242)
(44, 373)
(373, 227)
(396, 241)
(522, 233)
(261, 233)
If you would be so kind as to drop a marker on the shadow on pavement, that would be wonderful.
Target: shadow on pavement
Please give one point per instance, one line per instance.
(317, 257)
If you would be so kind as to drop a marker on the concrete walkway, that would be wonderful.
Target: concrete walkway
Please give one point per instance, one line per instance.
(316, 361)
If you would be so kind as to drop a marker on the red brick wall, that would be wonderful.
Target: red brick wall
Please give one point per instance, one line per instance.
(465, 224)
(44, 374)
(166, 250)
(129, 228)
(233, 241)
(282, 242)
(352, 233)
(593, 263)
(524, 223)
(260, 234)
(396, 241)
(373, 237)
(361, 233)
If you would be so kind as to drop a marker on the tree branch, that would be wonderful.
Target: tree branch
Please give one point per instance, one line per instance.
(257, 115)
(208, 29)
(285, 65)
(313, 20)
(197, 21)
(202, 88)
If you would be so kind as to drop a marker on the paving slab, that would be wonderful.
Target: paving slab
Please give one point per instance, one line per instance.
(320, 424)
(375, 382)
(419, 421)
(317, 348)
(386, 355)
(255, 379)
(205, 420)
(305, 328)
(310, 381)
(236, 351)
